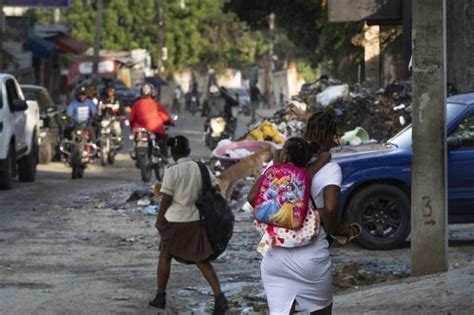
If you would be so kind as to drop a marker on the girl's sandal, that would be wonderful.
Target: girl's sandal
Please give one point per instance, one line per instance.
(355, 230)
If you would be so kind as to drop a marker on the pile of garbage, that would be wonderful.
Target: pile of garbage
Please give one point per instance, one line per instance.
(377, 115)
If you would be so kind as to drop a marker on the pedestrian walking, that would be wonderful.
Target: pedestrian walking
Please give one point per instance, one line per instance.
(183, 237)
(255, 97)
(177, 96)
(303, 274)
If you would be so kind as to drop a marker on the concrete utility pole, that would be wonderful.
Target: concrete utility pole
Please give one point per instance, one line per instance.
(429, 179)
(270, 64)
(161, 37)
(98, 31)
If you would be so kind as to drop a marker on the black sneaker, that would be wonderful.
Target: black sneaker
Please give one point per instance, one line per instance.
(159, 301)
(221, 304)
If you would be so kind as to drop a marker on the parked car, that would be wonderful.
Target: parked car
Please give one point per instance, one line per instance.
(50, 122)
(19, 127)
(376, 185)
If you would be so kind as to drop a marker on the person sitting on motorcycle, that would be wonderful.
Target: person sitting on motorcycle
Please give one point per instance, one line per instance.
(110, 107)
(218, 105)
(80, 110)
(149, 114)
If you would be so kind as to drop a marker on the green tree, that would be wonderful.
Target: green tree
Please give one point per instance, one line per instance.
(305, 24)
(200, 35)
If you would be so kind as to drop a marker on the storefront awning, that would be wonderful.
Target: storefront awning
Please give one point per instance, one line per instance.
(40, 47)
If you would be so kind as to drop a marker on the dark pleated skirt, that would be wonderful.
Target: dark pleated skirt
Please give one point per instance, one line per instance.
(186, 242)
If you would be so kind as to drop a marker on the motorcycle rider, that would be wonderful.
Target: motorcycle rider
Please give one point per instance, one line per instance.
(219, 105)
(192, 94)
(111, 106)
(82, 109)
(151, 115)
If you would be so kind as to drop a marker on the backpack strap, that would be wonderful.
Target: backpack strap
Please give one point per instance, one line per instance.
(206, 186)
(206, 178)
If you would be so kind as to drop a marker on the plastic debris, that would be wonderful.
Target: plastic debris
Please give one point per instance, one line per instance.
(120, 298)
(399, 107)
(238, 153)
(143, 202)
(150, 210)
(332, 94)
(266, 131)
(355, 137)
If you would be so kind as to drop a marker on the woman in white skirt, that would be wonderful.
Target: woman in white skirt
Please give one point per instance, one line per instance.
(304, 274)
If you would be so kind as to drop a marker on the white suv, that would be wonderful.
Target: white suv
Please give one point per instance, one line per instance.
(19, 125)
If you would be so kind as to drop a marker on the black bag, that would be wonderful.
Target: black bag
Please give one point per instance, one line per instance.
(215, 214)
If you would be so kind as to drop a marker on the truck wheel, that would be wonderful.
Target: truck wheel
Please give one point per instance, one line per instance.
(27, 164)
(45, 151)
(383, 211)
(6, 172)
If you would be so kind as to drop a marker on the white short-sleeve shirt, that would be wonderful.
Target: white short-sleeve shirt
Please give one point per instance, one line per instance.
(183, 181)
(329, 174)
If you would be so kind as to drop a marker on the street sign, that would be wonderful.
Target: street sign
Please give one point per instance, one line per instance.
(106, 66)
(37, 3)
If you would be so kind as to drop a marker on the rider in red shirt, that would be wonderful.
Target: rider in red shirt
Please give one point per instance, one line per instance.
(149, 114)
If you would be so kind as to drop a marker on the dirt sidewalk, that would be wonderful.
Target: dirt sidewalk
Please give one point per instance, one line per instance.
(445, 293)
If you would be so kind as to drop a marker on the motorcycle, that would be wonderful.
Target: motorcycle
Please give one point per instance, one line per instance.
(217, 129)
(109, 142)
(147, 154)
(193, 106)
(78, 151)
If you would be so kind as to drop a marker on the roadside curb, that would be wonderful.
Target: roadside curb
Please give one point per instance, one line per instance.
(440, 293)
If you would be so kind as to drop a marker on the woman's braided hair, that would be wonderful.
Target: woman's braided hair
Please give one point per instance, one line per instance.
(321, 127)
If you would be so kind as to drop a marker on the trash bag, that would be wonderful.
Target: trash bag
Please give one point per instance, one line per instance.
(139, 194)
(332, 94)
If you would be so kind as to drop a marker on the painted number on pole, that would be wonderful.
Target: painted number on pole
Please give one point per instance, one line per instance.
(428, 210)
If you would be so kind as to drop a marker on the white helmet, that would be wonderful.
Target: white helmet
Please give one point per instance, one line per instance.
(214, 89)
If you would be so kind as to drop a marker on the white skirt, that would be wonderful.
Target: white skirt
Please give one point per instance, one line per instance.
(303, 274)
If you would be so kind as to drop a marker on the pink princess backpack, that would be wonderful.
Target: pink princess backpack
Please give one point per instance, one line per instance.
(282, 196)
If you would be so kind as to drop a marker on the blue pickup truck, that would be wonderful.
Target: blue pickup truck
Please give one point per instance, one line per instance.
(376, 183)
